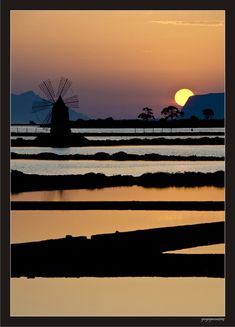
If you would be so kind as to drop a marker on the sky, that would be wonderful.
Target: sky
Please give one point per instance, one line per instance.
(119, 61)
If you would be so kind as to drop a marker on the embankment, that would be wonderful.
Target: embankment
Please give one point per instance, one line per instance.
(21, 182)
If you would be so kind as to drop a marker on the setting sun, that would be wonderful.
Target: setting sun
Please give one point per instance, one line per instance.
(182, 96)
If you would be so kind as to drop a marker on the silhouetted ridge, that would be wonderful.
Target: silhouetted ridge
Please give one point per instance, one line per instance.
(197, 103)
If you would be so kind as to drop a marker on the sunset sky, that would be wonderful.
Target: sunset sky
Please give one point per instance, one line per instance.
(119, 61)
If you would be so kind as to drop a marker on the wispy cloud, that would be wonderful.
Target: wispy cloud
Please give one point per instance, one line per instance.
(188, 23)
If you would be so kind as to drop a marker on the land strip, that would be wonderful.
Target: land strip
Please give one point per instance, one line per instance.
(135, 253)
(119, 156)
(79, 140)
(167, 133)
(21, 182)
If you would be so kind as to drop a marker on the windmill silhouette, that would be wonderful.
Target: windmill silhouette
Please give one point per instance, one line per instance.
(57, 106)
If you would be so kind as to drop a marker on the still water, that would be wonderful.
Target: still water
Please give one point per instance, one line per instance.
(29, 226)
(37, 129)
(110, 168)
(139, 296)
(117, 138)
(126, 193)
(170, 150)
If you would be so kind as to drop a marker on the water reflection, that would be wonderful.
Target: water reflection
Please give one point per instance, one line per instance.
(37, 129)
(215, 248)
(117, 138)
(110, 168)
(27, 226)
(170, 150)
(127, 193)
(118, 297)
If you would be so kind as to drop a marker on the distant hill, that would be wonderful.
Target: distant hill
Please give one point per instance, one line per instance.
(196, 103)
(21, 109)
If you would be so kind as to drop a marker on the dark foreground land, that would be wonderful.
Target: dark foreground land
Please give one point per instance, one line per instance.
(136, 253)
(21, 182)
(119, 156)
(44, 140)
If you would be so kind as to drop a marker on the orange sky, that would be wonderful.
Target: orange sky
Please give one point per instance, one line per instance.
(119, 61)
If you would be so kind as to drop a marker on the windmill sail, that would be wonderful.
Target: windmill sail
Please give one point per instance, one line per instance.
(58, 106)
(47, 89)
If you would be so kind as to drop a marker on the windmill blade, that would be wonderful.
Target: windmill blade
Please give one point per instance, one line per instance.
(43, 102)
(71, 102)
(40, 109)
(50, 88)
(47, 119)
(62, 81)
(45, 87)
(41, 105)
(72, 98)
(72, 105)
(64, 86)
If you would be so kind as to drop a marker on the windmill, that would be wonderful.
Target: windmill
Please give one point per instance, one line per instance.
(57, 105)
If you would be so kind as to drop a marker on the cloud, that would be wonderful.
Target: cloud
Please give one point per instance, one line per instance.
(188, 23)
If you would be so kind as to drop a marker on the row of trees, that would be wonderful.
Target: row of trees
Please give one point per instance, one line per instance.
(170, 112)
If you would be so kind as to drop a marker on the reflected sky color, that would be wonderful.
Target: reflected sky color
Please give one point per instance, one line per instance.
(37, 129)
(111, 168)
(29, 226)
(127, 193)
(173, 150)
(118, 297)
(215, 248)
(119, 61)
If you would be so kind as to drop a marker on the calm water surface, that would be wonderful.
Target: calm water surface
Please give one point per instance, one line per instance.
(115, 296)
(118, 297)
(110, 168)
(173, 150)
(33, 129)
(118, 138)
(27, 226)
(126, 193)
(168, 137)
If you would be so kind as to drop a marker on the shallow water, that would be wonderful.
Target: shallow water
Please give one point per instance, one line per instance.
(118, 138)
(115, 296)
(33, 129)
(28, 226)
(110, 168)
(215, 248)
(118, 297)
(23, 137)
(126, 193)
(173, 150)
(167, 137)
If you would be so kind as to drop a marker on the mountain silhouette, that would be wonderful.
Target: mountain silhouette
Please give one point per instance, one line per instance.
(196, 103)
(21, 109)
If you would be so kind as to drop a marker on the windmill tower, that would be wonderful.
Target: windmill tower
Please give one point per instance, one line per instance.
(58, 108)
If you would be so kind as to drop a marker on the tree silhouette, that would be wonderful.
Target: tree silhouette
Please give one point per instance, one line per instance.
(171, 112)
(208, 113)
(147, 114)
